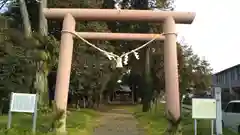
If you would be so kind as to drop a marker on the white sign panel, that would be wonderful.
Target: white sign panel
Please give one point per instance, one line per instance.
(203, 108)
(21, 102)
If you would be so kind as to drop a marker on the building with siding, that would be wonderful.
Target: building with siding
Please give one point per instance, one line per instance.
(229, 81)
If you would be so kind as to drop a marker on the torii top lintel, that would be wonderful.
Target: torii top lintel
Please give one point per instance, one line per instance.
(116, 15)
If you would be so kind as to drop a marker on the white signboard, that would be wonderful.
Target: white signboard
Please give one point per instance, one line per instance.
(203, 108)
(21, 102)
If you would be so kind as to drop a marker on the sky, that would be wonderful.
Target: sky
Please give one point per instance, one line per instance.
(214, 34)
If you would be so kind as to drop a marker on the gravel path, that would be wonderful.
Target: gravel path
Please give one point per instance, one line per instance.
(117, 122)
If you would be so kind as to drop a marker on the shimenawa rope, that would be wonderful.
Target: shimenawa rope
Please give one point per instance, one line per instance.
(111, 55)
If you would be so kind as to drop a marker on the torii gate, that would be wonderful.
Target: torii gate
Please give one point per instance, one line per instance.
(169, 18)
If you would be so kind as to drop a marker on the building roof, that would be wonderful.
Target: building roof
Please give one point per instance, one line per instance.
(124, 88)
(238, 65)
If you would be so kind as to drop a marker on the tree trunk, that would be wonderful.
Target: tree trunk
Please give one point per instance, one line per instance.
(43, 26)
(132, 97)
(147, 96)
(26, 20)
(41, 78)
(43, 30)
(41, 88)
(1, 106)
(146, 105)
(106, 79)
(84, 102)
(156, 104)
(78, 103)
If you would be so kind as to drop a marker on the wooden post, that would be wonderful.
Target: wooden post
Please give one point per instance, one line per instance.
(171, 68)
(64, 70)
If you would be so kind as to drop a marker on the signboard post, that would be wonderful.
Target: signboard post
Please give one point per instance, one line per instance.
(217, 94)
(22, 102)
(199, 107)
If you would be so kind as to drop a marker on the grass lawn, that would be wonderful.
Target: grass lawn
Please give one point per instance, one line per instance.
(155, 123)
(78, 123)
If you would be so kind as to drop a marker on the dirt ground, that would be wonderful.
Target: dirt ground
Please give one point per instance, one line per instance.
(117, 122)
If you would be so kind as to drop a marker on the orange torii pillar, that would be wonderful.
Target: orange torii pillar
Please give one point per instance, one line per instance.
(169, 18)
(64, 69)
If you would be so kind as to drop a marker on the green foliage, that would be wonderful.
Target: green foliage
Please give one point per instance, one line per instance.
(194, 72)
(187, 101)
(20, 58)
(13, 65)
(88, 73)
(155, 123)
(89, 66)
(79, 122)
(45, 109)
(58, 116)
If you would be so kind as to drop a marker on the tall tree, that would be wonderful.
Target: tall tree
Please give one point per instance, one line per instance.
(26, 11)
(195, 73)
(41, 82)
